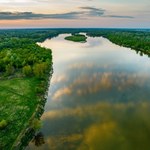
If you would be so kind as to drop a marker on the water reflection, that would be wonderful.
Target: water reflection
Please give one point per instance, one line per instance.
(99, 97)
(38, 139)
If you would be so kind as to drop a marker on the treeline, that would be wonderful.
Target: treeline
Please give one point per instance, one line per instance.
(36, 35)
(137, 40)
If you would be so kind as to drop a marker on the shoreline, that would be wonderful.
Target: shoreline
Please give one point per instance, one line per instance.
(28, 132)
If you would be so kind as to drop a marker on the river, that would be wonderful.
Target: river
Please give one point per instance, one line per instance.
(99, 97)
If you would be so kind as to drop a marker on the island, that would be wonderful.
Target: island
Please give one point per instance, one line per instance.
(76, 38)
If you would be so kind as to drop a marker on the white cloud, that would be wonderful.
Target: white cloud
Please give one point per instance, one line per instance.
(14, 1)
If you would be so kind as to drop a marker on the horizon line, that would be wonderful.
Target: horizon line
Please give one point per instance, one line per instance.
(17, 28)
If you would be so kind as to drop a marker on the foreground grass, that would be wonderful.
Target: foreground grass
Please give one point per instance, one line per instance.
(18, 101)
(76, 38)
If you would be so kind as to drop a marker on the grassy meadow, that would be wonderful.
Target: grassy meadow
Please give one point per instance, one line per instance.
(18, 102)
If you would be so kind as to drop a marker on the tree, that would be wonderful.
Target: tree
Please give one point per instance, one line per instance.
(9, 69)
(40, 69)
(3, 124)
(36, 124)
(27, 70)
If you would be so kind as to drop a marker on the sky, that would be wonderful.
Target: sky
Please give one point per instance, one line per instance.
(74, 13)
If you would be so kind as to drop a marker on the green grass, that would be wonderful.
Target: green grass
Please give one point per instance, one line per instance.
(76, 38)
(18, 101)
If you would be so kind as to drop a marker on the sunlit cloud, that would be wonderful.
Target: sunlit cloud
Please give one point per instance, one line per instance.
(102, 136)
(81, 65)
(15, 1)
(30, 15)
(92, 11)
(97, 82)
(92, 83)
(84, 12)
(58, 79)
(74, 13)
(61, 92)
(120, 124)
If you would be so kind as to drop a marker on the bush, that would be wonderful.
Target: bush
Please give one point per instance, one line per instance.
(3, 124)
(40, 69)
(40, 90)
(27, 70)
(9, 70)
(36, 124)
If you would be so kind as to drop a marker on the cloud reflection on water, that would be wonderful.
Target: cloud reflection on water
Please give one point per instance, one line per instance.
(99, 97)
(89, 82)
(100, 126)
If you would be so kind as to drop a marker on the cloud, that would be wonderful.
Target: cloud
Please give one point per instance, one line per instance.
(59, 79)
(30, 1)
(117, 16)
(92, 11)
(30, 15)
(82, 13)
(92, 8)
(15, 1)
(61, 92)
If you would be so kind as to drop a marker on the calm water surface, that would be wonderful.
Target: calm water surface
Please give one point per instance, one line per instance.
(99, 98)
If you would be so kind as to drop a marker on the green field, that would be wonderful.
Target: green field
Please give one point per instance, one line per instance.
(76, 38)
(18, 102)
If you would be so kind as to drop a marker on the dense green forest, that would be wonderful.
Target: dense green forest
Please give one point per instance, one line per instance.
(25, 70)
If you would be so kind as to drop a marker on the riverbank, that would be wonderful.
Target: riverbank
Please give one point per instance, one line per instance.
(136, 40)
(20, 101)
(29, 131)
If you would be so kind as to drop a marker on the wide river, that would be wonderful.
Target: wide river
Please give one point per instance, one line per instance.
(99, 98)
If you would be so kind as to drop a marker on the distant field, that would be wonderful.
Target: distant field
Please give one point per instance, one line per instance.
(18, 102)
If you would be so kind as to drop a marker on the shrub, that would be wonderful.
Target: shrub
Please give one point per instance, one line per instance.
(36, 124)
(40, 90)
(9, 69)
(40, 69)
(27, 70)
(3, 124)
